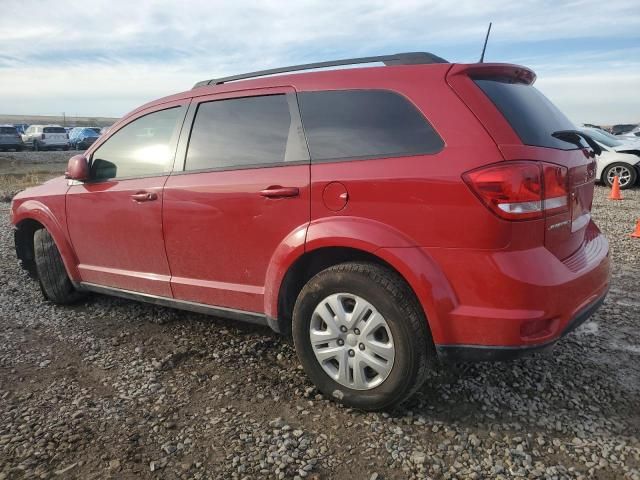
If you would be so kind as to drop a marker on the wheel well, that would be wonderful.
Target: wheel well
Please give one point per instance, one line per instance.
(310, 264)
(24, 244)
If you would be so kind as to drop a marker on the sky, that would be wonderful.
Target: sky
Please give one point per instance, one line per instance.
(104, 58)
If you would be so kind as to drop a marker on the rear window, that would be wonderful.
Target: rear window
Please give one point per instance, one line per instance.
(8, 130)
(532, 115)
(354, 124)
(54, 130)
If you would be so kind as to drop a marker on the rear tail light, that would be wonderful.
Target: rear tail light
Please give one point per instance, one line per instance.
(43, 136)
(67, 135)
(521, 190)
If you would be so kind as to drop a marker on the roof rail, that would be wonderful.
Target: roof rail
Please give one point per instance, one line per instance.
(408, 58)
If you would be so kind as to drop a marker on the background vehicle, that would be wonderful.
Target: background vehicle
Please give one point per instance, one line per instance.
(46, 137)
(621, 128)
(10, 138)
(343, 207)
(21, 127)
(632, 135)
(81, 138)
(617, 143)
(610, 163)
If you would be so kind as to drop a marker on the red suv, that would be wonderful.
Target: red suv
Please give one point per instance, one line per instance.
(386, 216)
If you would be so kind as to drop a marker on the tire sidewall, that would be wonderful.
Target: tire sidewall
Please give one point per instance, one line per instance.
(403, 371)
(632, 170)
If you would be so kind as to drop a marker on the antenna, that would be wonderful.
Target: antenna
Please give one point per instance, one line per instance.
(486, 39)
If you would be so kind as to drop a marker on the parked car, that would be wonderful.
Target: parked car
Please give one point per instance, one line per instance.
(610, 163)
(81, 138)
(623, 128)
(10, 138)
(46, 137)
(344, 207)
(632, 135)
(617, 143)
(21, 127)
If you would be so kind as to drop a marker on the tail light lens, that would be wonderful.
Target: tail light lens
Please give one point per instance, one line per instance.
(43, 135)
(521, 190)
(67, 135)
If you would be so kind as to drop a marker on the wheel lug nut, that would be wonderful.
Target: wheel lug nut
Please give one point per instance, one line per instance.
(351, 353)
(343, 329)
(356, 331)
(340, 342)
(361, 346)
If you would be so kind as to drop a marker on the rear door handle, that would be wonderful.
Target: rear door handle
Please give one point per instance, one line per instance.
(280, 192)
(144, 196)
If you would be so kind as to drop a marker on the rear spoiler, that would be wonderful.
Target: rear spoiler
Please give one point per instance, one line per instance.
(518, 73)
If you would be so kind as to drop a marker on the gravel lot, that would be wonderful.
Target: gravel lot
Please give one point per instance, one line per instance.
(117, 389)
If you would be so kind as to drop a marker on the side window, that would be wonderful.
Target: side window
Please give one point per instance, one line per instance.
(145, 146)
(246, 132)
(353, 124)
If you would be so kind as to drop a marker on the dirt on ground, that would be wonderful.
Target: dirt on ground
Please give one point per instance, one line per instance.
(110, 388)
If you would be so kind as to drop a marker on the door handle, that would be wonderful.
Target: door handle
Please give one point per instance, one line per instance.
(280, 192)
(144, 196)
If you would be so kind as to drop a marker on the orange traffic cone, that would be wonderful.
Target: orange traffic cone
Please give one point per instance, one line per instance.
(615, 189)
(636, 233)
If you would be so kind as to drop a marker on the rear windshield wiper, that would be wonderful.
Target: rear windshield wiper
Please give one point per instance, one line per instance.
(576, 137)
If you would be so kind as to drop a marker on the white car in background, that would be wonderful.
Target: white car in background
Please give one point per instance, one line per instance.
(617, 158)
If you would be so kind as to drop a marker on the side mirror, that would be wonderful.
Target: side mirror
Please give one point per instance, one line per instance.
(77, 168)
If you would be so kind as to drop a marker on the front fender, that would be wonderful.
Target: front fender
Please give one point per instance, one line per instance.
(41, 213)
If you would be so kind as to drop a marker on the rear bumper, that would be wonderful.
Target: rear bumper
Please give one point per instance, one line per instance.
(480, 353)
(504, 304)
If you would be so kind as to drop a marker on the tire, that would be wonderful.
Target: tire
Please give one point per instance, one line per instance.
(627, 175)
(409, 336)
(19, 148)
(35, 146)
(52, 276)
(65, 149)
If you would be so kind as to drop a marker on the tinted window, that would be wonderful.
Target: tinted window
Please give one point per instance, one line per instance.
(8, 130)
(364, 124)
(245, 132)
(54, 130)
(533, 117)
(143, 147)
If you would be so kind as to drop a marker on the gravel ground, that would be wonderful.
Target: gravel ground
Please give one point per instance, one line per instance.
(117, 389)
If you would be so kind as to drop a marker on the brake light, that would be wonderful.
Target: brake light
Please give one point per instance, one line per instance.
(67, 136)
(521, 190)
(43, 136)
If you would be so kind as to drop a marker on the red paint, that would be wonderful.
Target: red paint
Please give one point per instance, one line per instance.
(228, 238)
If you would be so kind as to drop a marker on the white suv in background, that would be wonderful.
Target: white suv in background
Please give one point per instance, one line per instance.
(46, 137)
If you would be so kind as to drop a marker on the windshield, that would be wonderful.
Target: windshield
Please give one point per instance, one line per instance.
(608, 139)
(54, 130)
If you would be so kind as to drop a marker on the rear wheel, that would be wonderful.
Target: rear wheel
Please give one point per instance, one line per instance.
(361, 336)
(53, 278)
(626, 175)
(36, 147)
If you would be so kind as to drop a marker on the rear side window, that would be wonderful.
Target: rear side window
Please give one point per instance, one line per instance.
(532, 115)
(246, 132)
(354, 124)
(8, 130)
(53, 130)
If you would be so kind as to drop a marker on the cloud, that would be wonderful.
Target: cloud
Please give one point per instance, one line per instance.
(106, 57)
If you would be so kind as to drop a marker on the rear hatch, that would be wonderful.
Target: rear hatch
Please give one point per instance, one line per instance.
(9, 135)
(55, 134)
(525, 126)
